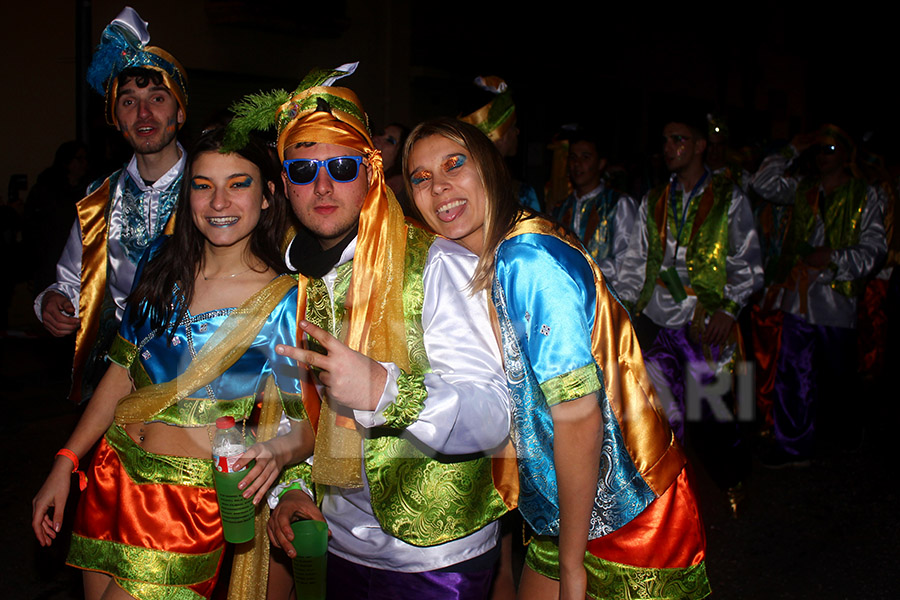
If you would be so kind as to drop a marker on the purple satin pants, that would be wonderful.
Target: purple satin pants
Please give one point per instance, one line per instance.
(350, 581)
(816, 371)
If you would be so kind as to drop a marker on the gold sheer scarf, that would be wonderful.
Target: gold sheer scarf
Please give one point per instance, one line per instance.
(249, 575)
(375, 301)
(250, 569)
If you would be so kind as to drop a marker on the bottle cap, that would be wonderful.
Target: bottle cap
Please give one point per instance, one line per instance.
(224, 422)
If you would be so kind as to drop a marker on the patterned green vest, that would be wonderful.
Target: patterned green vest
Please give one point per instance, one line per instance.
(842, 217)
(707, 243)
(418, 496)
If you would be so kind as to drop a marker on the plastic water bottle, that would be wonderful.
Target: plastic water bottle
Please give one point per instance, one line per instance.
(237, 512)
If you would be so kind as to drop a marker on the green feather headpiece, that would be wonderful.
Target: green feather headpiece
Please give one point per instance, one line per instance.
(262, 111)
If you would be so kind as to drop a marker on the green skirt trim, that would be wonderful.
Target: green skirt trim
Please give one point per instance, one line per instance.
(140, 567)
(609, 580)
(149, 591)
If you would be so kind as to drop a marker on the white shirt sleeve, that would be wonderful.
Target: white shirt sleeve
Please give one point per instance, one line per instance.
(632, 270)
(467, 407)
(68, 272)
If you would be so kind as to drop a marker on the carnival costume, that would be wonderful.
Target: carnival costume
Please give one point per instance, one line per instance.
(646, 538)
(603, 219)
(152, 521)
(121, 216)
(494, 119)
(817, 353)
(705, 240)
(398, 499)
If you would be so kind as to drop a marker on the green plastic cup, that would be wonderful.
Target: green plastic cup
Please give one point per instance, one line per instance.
(311, 545)
(237, 512)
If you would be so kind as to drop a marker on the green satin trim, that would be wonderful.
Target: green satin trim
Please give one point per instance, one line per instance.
(311, 103)
(411, 392)
(200, 412)
(425, 502)
(299, 471)
(123, 353)
(609, 580)
(150, 591)
(707, 250)
(293, 406)
(572, 385)
(319, 308)
(415, 497)
(147, 468)
(842, 224)
(132, 565)
(410, 401)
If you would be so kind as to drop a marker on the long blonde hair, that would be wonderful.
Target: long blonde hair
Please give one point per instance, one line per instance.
(501, 206)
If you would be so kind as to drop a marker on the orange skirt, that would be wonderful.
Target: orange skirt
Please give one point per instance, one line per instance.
(150, 521)
(661, 552)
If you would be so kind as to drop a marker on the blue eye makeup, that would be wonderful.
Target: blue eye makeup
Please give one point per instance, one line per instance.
(243, 183)
(419, 177)
(199, 184)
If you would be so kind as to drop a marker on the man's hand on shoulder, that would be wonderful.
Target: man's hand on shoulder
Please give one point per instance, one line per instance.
(58, 314)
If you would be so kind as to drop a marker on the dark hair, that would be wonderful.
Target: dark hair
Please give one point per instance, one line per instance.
(181, 256)
(501, 207)
(65, 154)
(591, 137)
(142, 77)
(397, 167)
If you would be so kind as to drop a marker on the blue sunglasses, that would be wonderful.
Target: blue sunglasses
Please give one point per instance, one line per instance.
(303, 171)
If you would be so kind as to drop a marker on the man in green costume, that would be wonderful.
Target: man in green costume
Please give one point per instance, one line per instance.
(693, 260)
(413, 394)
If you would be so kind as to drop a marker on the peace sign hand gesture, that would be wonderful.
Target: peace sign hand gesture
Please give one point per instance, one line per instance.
(350, 378)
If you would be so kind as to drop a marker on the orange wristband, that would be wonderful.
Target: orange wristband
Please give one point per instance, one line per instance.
(82, 478)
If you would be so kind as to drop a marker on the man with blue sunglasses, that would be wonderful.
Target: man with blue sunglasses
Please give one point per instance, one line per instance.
(326, 192)
(413, 394)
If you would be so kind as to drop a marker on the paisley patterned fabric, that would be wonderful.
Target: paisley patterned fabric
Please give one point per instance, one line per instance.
(421, 500)
(565, 335)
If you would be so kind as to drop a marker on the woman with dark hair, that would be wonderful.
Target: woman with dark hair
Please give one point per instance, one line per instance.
(148, 519)
(602, 480)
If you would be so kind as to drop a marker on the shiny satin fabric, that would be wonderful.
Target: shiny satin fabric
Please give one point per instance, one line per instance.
(660, 554)
(873, 328)
(740, 257)
(707, 245)
(674, 358)
(815, 293)
(164, 533)
(490, 121)
(766, 332)
(375, 300)
(92, 218)
(543, 283)
(224, 346)
(351, 581)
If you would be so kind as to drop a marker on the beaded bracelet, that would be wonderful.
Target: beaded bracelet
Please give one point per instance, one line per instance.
(82, 478)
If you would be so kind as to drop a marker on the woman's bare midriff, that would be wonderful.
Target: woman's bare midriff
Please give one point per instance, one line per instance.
(161, 438)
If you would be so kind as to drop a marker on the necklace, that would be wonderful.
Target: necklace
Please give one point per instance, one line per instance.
(226, 276)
